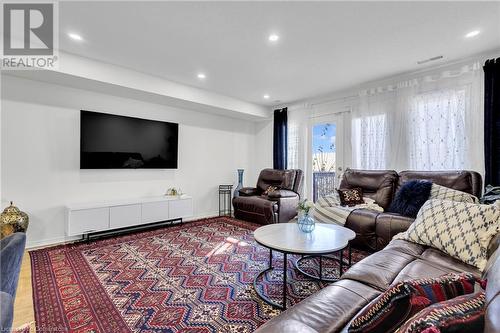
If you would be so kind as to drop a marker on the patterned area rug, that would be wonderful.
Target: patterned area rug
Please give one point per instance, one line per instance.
(195, 277)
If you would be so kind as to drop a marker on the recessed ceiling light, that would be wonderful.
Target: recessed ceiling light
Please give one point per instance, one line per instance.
(75, 36)
(473, 33)
(266, 96)
(201, 76)
(273, 38)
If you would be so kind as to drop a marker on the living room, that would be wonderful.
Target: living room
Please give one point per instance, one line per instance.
(250, 166)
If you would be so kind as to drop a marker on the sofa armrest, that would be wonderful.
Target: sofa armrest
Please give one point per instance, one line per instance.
(388, 225)
(362, 222)
(248, 191)
(278, 194)
(11, 256)
(287, 208)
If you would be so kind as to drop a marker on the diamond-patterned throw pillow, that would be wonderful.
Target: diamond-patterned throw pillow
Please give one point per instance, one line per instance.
(462, 230)
(446, 193)
(406, 298)
(460, 314)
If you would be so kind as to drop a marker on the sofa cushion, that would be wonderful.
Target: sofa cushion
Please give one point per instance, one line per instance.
(404, 299)
(379, 269)
(403, 246)
(410, 198)
(276, 194)
(461, 314)
(446, 193)
(328, 310)
(462, 230)
(402, 260)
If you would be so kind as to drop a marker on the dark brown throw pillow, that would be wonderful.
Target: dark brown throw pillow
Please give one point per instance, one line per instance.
(351, 196)
(460, 314)
(404, 299)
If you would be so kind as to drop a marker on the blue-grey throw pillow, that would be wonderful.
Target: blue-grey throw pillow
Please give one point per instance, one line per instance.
(411, 197)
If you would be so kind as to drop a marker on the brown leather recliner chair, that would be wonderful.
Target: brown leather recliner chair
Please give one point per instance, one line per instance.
(374, 230)
(277, 206)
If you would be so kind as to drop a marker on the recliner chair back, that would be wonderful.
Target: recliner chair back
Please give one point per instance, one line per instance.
(290, 179)
(378, 185)
(461, 180)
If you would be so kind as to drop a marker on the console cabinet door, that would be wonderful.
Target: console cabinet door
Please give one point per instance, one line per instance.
(154, 211)
(180, 208)
(84, 221)
(124, 216)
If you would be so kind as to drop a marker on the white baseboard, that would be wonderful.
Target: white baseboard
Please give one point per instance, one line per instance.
(32, 245)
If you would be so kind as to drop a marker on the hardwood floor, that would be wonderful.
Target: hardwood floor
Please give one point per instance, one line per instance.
(23, 306)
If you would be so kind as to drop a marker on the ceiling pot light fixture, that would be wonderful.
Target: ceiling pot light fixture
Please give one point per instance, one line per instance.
(273, 38)
(74, 36)
(266, 96)
(473, 33)
(201, 76)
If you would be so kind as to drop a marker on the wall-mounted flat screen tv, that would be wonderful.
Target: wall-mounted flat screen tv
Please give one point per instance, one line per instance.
(110, 141)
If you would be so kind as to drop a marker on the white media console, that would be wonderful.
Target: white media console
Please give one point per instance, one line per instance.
(88, 218)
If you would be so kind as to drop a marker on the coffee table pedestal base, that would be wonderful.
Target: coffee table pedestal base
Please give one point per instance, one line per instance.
(263, 272)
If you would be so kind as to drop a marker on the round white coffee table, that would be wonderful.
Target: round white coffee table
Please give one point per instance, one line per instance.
(286, 238)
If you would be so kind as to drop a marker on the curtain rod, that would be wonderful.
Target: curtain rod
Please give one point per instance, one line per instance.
(347, 110)
(334, 100)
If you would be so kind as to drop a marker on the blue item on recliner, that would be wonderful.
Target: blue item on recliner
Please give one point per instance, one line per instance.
(411, 197)
(11, 255)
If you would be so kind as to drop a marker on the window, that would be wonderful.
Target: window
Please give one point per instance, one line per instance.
(436, 130)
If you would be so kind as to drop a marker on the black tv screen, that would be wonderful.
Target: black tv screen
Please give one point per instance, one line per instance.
(116, 142)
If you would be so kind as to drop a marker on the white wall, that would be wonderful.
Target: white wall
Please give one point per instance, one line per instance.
(40, 154)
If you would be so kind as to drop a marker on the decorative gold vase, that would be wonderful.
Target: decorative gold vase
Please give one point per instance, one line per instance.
(13, 220)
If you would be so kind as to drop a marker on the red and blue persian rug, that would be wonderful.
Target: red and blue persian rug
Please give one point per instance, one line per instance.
(193, 277)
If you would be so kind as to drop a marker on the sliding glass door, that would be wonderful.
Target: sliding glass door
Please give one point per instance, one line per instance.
(326, 154)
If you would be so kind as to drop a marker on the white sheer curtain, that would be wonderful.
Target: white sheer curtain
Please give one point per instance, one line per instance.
(437, 133)
(432, 122)
(370, 139)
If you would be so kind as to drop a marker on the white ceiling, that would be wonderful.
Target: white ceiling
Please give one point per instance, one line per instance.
(323, 46)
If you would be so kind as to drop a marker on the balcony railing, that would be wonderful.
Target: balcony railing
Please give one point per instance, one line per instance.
(323, 184)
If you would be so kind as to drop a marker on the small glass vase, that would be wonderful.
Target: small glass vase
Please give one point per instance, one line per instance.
(306, 222)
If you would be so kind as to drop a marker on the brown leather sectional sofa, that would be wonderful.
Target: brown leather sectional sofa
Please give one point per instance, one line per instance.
(332, 308)
(279, 206)
(375, 230)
